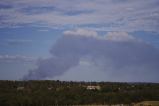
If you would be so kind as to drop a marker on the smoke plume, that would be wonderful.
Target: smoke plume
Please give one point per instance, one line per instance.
(119, 55)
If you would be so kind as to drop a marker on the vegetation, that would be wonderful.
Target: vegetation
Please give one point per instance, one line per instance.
(50, 93)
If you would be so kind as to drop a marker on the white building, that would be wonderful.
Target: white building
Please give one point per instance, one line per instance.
(93, 87)
(20, 88)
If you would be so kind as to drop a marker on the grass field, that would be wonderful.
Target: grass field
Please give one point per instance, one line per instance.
(148, 103)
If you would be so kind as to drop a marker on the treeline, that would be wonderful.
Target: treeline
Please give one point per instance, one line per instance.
(51, 93)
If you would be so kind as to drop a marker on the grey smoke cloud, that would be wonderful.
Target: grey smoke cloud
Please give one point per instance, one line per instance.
(122, 60)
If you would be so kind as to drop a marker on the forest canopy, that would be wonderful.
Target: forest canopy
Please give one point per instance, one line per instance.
(40, 93)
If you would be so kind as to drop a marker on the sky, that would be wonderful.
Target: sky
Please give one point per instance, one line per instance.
(79, 40)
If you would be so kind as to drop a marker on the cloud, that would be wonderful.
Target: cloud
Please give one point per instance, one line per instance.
(17, 41)
(113, 36)
(110, 15)
(43, 30)
(119, 58)
(16, 58)
(119, 36)
(81, 32)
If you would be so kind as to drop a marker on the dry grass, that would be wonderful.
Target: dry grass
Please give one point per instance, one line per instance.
(148, 103)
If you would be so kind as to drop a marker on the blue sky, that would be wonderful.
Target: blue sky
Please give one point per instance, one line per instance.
(32, 30)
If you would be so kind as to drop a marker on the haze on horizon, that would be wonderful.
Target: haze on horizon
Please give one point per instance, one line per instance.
(79, 40)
